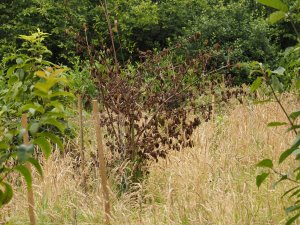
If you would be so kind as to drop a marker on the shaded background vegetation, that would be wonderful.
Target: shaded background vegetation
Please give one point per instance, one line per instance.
(234, 29)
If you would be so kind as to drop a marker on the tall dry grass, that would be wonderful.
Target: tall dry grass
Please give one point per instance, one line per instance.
(211, 183)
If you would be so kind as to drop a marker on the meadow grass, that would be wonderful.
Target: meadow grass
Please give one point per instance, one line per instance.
(210, 183)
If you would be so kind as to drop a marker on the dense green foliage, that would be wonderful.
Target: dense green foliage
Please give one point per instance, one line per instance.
(232, 30)
(31, 85)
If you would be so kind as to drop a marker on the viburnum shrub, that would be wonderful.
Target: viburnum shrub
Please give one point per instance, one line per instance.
(152, 107)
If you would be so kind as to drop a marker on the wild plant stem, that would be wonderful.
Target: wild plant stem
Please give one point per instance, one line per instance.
(111, 34)
(283, 109)
(287, 178)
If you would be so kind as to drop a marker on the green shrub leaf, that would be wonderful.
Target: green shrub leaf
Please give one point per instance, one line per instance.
(276, 124)
(6, 194)
(276, 16)
(53, 138)
(26, 174)
(37, 166)
(265, 163)
(279, 71)
(296, 142)
(256, 84)
(44, 144)
(285, 154)
(54, 122)
(293, 219)
(295, 115)
(277, 85)
(260, 178)
(276, 4)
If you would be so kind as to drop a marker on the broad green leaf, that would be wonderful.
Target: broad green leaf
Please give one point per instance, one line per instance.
(57, 105)
(285, 154)
(41, 74)
(45, 86)
(256, 84)
(61, 94)
(6, 194)
(34, 127)
(276, 4)
(277, 85)
(276, 16)
(45, 146)
(296, 142)
(53, 138)
(55, 123)
(279, 71)
(24, 152)
(260, 178)
(26, 174)
(293, 127)
(276, 124)
(265, 163)
(34, 106)
(295, 115)
(293, 219)
(37, 166)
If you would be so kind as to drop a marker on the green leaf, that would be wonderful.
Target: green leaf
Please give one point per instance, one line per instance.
(6, 194)
(276, 16)
(35, 106)
(295, 115)
(293, 127)
(295, 193)
(276, 124)
(276, 4)
(296, 142)
(19, 61)
(26, 174)
(292, 208)
(296, 152)
(293, 219)
(265, 163)
(288, 191)
(45, 146)
(279, 71)
(285, 154)
(260, 178)
(277, 85)
(53, 122)
(37, 166)
(57, 105)
(34, 127)
(256, 84)
(53, 138)
(298, 176)
(61, 94)
(24, 152)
